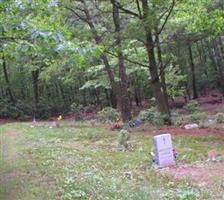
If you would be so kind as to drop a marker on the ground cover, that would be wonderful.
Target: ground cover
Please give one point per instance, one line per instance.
(83, 162)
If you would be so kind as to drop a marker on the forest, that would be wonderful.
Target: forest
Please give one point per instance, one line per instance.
(59, 57)
(112, 99)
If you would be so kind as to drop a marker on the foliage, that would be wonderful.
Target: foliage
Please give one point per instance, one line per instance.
(21, 110)
(153, 116)
(219, 118)
(124, 136)
(56, 41)
(108, 114)
(197, 117)
(192, 107)
(182, 193)
(77, 110)
(175, 86)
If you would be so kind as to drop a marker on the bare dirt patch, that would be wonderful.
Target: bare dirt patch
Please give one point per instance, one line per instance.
(6, 120)
(203, 175)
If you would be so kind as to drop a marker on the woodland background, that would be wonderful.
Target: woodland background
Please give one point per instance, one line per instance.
(63, 57)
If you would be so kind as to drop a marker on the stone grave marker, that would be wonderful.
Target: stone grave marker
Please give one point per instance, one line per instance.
(163, 150)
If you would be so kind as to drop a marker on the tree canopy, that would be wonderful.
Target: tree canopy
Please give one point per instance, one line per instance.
(118, 53)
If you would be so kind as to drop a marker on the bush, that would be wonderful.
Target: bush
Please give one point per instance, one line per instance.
(89, 108)
(21, 110)
(197, 117)
(78, 110)
(108, 114)
(153, 116)
(219, 118)
(123, 137)
(174, 117)
(192, 107)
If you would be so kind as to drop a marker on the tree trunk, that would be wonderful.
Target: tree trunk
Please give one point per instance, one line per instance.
(155, 80)
(104, 58)
(63, 94)
(194, 86)
(221, 45)
(162, 71)
(35, 76)
(113, 84)
(202, 57)
(108, 100)
(214, 64)
(218, 61)
(124, 99)
(8, 85)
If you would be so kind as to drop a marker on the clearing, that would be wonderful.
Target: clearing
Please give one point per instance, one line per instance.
(78, 161)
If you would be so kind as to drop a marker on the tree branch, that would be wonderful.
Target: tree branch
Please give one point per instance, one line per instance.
(161, 71)
(139, 9)
(8, 38)
(76, 14)
(167, 17)
(126, 10)
(127, 59)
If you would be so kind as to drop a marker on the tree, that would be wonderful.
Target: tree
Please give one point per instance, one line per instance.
(123, 93)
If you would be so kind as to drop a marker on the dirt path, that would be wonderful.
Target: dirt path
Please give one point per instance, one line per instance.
(8, 146)
(9, 157)
(19, 177)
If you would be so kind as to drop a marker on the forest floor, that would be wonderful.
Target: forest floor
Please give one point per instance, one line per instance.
(79, 161)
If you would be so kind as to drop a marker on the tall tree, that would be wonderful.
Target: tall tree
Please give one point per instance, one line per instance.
(123, 93)
(85, 16)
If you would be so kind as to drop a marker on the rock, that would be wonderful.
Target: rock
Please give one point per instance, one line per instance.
(135, 123)
(191, 126)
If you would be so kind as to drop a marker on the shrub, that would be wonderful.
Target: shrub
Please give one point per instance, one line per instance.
(180, 121)
(153, 116)
(123, 137)
(89, 108)
(219, 118)
(192, 107)
(174, 117)
(197, 117)
(108, 114)
(77, 110)
(21, 110)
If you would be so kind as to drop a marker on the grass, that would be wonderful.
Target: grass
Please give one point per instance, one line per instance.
(82, 162)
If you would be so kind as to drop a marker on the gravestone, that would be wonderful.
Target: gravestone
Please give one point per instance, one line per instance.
(163, 150)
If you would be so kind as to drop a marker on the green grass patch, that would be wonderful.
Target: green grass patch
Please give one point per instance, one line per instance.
(83, 163)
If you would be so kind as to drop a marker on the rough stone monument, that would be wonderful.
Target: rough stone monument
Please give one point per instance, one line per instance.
(164, 155)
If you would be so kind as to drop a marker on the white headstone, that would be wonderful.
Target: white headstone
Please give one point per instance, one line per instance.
(164, 150)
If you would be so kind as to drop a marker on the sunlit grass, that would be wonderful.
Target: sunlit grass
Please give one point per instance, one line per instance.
(82, 162)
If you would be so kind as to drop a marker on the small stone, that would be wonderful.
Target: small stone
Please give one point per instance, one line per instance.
(191, 126)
